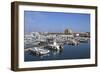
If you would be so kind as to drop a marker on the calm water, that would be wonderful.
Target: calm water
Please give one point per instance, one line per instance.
(81, 51)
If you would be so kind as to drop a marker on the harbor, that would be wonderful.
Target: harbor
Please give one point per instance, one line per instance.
(56, 35)
(46, 46)
(81, 51)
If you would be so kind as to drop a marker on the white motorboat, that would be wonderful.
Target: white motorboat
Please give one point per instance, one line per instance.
(39, 51)
(72, 42)
(54, 46)
(84, 40)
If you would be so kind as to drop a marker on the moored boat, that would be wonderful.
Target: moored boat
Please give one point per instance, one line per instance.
(39, 51)
(84, 40)
(54, 46)
(73, 42)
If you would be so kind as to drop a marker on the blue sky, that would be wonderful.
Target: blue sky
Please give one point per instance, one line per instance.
(36, 21)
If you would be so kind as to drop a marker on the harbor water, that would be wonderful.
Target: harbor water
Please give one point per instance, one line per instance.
(81, 51)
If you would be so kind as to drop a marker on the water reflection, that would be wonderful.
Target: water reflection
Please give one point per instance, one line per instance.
(52, 52)
(56, 52)
(68, 52)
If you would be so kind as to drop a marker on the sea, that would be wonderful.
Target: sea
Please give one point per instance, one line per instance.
(81, 51)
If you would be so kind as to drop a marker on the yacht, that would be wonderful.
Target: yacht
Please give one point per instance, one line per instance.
(39, 51)
(54, 46)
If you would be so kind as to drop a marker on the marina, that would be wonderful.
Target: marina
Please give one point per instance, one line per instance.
(40, 46)
(81, 51)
